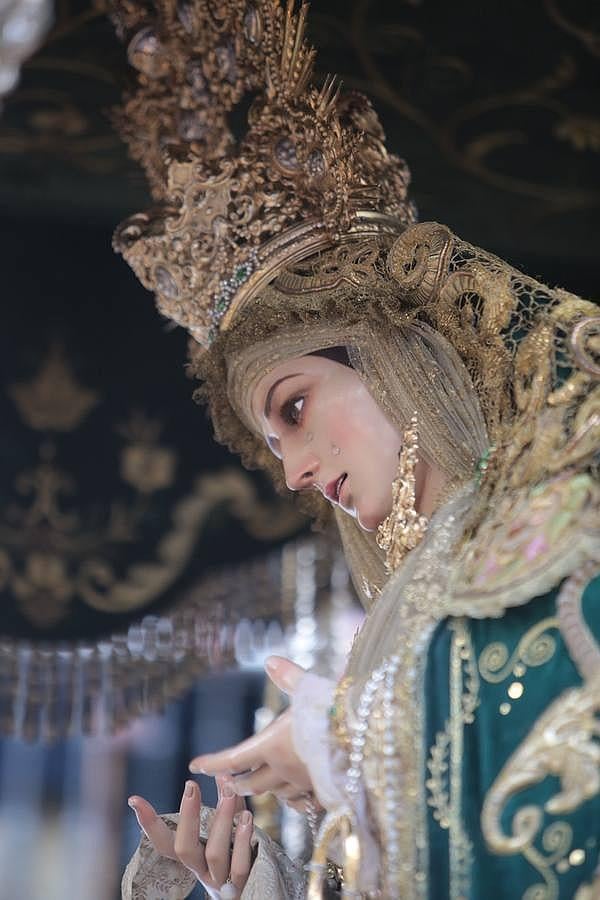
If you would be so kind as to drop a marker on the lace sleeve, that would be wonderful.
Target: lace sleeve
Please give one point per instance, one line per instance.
(327, 765)
(149, 876)
(311, 702)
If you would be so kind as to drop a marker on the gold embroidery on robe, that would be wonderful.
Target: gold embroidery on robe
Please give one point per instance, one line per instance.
(531, 541)
(563, 743)
(534, 648)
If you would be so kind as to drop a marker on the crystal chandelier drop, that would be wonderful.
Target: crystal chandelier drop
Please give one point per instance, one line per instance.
(23, 24)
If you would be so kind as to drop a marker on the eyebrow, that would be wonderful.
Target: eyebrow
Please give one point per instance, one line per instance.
(272, 389)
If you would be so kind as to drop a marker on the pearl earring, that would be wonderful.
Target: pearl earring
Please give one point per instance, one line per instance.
(335, 450)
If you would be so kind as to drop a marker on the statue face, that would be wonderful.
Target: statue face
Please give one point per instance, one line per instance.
(318, 417)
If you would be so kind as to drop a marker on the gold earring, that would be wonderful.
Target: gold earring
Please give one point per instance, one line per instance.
(404, 528)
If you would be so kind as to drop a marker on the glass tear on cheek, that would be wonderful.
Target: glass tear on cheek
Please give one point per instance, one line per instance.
(309, 437)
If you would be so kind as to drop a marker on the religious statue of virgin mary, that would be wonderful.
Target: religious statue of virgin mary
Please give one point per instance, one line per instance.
(444, 409)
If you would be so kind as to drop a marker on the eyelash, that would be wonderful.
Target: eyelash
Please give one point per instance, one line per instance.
(290, 415)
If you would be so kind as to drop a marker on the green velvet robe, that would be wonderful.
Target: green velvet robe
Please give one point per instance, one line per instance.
(488, 682)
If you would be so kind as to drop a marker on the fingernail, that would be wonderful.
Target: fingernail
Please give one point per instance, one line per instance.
(246, 818)
(189, 789)
(225, 788)
(271, 664)
(195, 769)
(132, 802)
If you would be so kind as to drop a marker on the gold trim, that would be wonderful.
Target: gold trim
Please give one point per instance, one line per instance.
(445, 785)
(463, 702)
(580, 641)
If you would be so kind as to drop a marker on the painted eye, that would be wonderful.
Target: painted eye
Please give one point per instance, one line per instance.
(291, 411)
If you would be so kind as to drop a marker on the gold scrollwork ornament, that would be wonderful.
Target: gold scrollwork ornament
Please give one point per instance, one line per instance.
(562, 743)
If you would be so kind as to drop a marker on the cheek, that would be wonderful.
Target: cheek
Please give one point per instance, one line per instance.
(367, 433)
(347, 415)
(371, 444)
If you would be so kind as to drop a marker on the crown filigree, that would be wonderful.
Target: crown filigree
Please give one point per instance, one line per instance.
(310, 170)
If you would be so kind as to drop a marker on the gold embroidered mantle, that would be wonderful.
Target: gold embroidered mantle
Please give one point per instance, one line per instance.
(401, 625)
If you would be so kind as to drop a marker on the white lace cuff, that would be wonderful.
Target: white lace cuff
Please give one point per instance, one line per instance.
(326, 764)
(311, 702)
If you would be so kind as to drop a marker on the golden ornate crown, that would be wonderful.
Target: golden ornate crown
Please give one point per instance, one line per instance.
(310, 171)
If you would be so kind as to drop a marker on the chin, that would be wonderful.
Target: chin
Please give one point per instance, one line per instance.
(371, 517)
(369, 520)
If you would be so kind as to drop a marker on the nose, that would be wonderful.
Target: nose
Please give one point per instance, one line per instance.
(301, 470)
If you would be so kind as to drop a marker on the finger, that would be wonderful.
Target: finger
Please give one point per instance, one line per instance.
(284, 673)
(263, 779)
(218, 846)
(188, 848)
(299, 805)
(156, 830)
(246, 755)
(241, 857)
(289, 792)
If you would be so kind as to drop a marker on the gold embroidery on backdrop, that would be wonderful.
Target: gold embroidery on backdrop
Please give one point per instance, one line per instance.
(53, 550)
(145, 465)
(558, 13)
(44, 585)
(477, 154)
(563, 743)
(53, 399)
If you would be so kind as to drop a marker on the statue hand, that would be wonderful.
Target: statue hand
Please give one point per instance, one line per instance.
(267, 761)
(223, 865)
